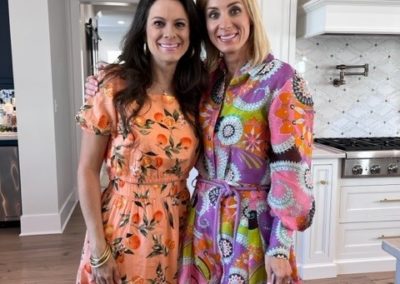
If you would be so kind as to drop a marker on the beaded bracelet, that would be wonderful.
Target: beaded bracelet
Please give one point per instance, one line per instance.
(97, 262)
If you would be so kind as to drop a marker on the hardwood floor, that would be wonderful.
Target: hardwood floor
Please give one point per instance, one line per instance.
(367, 278)
(41, 259)
(53, 259)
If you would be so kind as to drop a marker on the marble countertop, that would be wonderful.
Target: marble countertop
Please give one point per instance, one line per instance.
(325, 152)
(8, 136)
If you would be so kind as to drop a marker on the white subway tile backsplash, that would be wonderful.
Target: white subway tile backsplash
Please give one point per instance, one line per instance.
(364, 106)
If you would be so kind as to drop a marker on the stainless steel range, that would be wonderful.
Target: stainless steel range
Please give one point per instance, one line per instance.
(368, 157)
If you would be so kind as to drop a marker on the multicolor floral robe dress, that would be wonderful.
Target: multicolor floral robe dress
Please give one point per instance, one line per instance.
(255, 184)
(144, 208)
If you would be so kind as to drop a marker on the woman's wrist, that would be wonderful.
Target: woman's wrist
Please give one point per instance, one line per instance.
(97, 248)
(102, 259)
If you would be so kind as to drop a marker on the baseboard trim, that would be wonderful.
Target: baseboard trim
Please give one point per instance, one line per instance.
(47, 224)
(67, 209)
(366, 265)
(318, 271)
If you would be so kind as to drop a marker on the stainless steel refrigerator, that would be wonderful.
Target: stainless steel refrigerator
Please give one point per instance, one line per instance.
(10, 186)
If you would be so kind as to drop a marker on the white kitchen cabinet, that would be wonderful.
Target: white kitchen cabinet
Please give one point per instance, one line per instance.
(318, 17)
(316, 246)
(369, 212)
(279, 18)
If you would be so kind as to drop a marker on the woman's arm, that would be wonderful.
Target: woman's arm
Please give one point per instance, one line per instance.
(93, 148)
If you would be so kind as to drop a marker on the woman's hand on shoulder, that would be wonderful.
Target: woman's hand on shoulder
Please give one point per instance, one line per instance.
(91, 86)
(278, 269)
(92, 82)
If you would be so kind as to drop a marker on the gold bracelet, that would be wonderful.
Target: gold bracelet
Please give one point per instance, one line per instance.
(102, 259)
(98, 264)
(94, 259)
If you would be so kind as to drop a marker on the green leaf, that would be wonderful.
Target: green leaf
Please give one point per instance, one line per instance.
(124, 220)
(116, 241)
(163, 126)
(128, 251)
(170, 218)
(167, 112)
(176, 115)
(171, 141)
(143, 230)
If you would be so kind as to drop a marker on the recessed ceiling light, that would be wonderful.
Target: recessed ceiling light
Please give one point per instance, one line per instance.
(115, 3)
(121, 22)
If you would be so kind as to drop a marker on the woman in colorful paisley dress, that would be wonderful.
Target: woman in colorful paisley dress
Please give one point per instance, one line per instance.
(254, 187)
(142, 124)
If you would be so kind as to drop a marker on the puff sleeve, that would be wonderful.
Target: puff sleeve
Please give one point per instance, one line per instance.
(98, 114)
(291, 195)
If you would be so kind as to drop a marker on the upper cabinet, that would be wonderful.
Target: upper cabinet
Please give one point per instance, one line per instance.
(6, 74)
(279, 18)
(317, 17)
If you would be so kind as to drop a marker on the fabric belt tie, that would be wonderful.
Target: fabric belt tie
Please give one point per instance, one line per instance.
(227, 190)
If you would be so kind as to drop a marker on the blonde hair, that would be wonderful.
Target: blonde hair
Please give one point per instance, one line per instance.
(259, 46)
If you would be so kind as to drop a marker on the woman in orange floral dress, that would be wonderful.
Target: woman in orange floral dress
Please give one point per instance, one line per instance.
(142, 123)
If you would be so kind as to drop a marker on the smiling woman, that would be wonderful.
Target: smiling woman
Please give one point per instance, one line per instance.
(142, 123)
(167, 35)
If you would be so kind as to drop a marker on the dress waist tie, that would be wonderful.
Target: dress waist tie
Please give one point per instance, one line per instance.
(227, 190)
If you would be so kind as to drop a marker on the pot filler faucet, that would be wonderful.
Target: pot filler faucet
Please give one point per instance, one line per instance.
(342, 74)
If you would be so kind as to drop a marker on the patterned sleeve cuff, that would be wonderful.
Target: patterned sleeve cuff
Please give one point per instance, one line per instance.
(281, 240)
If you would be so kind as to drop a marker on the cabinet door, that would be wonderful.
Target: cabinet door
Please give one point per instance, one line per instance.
(315, 247)
(279, 18)
(6, 75)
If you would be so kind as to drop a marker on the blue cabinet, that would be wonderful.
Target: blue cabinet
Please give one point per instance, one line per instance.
(6, 72)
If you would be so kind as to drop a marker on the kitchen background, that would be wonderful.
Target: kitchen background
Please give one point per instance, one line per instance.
(49, 77)
(364, 106)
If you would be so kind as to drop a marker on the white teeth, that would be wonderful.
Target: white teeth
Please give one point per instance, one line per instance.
(227, 37)
(168, 45)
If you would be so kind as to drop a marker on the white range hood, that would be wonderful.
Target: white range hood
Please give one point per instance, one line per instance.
(316, 17)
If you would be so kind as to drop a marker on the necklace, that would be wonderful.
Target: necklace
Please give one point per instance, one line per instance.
(159, 90)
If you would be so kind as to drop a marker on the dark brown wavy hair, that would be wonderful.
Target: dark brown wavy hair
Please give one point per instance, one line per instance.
(134, 66)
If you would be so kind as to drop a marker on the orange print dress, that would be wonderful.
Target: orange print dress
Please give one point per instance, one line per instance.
(145, 204)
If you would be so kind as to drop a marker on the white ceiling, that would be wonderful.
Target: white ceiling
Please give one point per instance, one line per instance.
(109, 16)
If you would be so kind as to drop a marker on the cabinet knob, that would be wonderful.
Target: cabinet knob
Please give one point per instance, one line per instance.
(323, 182)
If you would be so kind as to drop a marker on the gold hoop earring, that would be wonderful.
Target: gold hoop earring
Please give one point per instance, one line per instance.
(145, 48)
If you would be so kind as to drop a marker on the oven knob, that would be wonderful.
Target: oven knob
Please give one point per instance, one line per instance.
(392, 169)
(357, 170)
(375, 169)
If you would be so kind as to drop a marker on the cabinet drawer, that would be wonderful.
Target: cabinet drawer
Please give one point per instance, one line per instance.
(369, 203)
(361, 240)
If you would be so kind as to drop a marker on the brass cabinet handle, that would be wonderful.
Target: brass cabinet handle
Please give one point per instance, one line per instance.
(385, 200)
(383, 237)
(323, 182)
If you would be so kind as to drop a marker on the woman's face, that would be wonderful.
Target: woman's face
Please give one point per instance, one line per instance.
(228, 25)
(167, 31)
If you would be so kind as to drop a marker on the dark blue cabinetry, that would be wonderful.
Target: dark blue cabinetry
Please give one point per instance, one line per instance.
(6, 72)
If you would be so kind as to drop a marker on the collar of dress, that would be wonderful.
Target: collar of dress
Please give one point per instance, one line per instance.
(246, 71)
